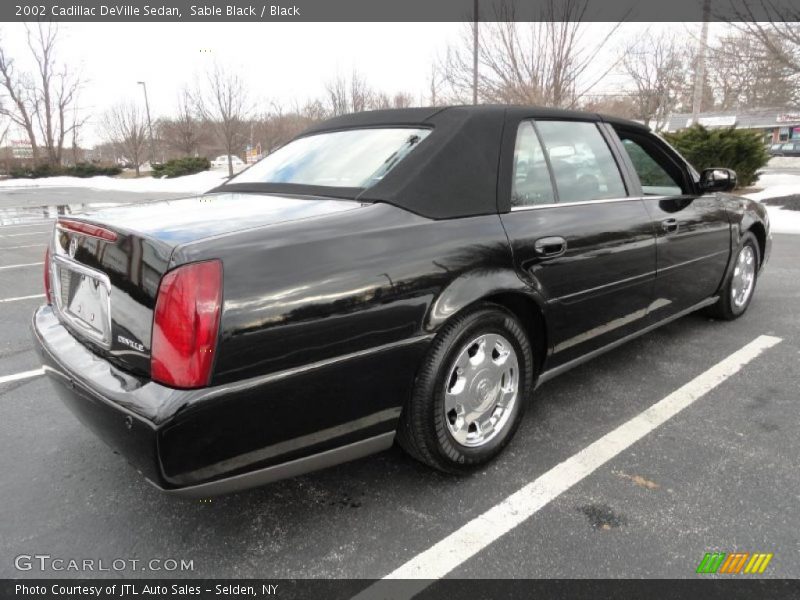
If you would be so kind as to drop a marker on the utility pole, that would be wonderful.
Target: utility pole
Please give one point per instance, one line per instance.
(475, 53)
(149, 124)
(700, 64)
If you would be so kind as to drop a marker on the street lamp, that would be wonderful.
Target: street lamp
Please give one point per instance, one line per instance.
(149, 124)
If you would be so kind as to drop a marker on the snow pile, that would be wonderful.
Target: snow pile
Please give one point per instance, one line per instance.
(777, 185)
(193, 184)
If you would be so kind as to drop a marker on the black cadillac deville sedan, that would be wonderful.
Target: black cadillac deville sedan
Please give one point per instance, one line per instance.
(406, 275)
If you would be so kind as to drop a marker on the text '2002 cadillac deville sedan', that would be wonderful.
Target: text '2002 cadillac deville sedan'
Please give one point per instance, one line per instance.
(408, 274)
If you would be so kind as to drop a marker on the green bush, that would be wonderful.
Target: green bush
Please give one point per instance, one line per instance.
(90, 170)
(737, 149)
(177, 167)
(78, 170)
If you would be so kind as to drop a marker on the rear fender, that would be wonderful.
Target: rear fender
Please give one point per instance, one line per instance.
(472, 287)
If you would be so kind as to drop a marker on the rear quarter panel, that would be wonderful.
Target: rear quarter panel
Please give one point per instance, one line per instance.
(311, 290)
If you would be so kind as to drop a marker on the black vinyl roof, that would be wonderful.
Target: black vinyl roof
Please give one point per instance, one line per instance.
(453, 172)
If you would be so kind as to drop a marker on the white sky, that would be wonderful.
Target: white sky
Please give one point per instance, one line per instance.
(284, 62)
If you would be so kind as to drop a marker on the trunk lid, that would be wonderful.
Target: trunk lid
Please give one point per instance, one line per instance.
(106, 266)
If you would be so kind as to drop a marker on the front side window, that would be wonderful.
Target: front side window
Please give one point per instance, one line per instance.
(353, 158)
(658, 175)
(583, 165)
(531, 178)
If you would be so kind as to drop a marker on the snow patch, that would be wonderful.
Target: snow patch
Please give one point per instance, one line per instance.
(777, 185)
(193, 184)
(783, 221)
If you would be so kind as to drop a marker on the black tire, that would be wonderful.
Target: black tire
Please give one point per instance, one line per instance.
(725, 308)
(423, 431)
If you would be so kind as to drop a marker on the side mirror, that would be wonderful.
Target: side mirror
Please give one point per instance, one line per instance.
(717, 180)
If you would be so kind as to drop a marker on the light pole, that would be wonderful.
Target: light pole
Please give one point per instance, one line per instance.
(149, 124)
(700, 64)
(475, 53)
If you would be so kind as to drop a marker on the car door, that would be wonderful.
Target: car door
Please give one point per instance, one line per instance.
(693, 232)
(578, 238)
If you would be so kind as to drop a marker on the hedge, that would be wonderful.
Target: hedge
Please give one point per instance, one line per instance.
(181, 166)
(78, 170)
(737, 149)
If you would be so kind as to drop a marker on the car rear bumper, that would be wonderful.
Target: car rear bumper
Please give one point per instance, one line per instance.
(108, 401)
(221, 439)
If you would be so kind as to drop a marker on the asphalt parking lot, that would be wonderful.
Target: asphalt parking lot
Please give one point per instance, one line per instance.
(720, 475)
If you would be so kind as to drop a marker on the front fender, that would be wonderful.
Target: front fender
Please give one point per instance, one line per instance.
(744, 215)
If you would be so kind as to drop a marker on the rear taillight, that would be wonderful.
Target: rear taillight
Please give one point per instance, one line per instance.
(47, 293)
(185, 325)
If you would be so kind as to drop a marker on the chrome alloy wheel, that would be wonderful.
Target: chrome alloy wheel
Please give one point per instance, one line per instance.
(481, 390)
(744, 276)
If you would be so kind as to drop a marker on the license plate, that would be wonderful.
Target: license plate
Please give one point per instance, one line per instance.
(83, 299)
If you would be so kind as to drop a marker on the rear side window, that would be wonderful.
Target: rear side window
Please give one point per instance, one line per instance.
(531, 184)
(583, 165)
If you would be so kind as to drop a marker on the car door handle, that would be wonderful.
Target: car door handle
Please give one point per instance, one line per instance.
(670, 225)
(550, 247)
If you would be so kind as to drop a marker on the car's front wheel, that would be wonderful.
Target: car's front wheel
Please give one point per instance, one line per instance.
(470, 393)
(737, 293)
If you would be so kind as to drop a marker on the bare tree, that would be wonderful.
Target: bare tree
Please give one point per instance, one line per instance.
(744, 73)
(55, 91)
(21, 109)
(274, 129)
(776, 24)
(656, 67)
(125, 126)
(43, 102)
(541, 62)
(434, 84)
(314, 110)
(223, 103)
(184, 132)
(383, 100)
(349, 95)
(619, 105)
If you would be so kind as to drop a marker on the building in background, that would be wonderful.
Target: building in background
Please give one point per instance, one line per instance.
(775, 125)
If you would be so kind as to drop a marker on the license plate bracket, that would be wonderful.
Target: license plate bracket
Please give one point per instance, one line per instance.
(83, 298)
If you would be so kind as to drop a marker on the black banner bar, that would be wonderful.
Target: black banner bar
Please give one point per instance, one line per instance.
(395, 10)
(345, 589)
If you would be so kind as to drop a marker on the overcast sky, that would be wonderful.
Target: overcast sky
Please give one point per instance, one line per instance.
(283, 62)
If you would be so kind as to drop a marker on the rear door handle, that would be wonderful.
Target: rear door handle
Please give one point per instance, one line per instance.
(550, 247)
(669, 225)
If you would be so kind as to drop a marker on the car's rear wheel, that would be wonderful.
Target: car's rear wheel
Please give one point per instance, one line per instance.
(470, 393)
(737, 293)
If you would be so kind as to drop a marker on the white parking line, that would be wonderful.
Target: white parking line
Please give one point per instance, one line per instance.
(23, 375)
(9, 235)
(37, 224)
(22, 265)
(459, 546)
(21, 298)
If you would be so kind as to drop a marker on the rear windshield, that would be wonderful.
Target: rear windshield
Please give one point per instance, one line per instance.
(354, 158)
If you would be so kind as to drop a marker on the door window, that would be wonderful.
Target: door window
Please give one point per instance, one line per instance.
(657, 173)
(582, 163)
(531, 182)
